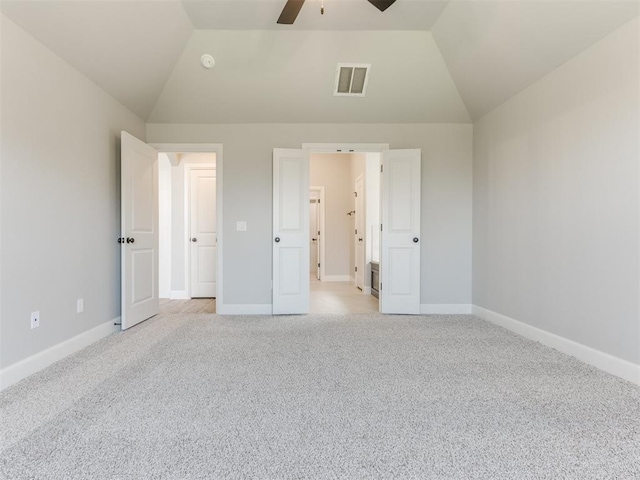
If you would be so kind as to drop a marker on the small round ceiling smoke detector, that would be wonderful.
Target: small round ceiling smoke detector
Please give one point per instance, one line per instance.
(207, 61)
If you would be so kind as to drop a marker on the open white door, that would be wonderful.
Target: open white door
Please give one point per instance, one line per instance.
(400, 256)
(139, 217)
(290, 231)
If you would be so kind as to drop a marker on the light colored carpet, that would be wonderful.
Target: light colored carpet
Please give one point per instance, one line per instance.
(320, 396)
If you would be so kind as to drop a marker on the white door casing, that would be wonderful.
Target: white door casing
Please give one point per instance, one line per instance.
(203, 233)
(290, 231)
(360, 233)
(400, 242)
(139, 231)
(318, 193)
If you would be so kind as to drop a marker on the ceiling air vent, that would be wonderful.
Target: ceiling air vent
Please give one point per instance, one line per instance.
(351, 79)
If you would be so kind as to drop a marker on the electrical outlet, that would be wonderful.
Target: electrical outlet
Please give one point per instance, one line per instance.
(35, 320)
(80, 305)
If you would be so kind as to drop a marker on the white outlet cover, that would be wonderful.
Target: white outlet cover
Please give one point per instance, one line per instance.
(241, 226)
(80, 306)
(35, 320)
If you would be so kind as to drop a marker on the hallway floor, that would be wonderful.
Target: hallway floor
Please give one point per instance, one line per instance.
(339, 297)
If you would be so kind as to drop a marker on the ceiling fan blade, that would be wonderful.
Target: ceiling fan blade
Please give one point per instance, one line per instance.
(290, 12)
(382, 5)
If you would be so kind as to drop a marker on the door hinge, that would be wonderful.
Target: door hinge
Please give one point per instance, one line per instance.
(356, 269)
(380, 286)
(318, 265)
(356, 194)
(318, 232)
(380, 227)
(356, 231)
(381, 168)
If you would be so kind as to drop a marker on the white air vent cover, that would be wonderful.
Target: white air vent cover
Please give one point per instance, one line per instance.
(351, 79)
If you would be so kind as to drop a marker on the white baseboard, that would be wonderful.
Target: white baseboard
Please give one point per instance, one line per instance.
(179, 295)
(263, 309)
(337, 278)
(366, 290)
(445, 309)
(41, 360)
(604, 361)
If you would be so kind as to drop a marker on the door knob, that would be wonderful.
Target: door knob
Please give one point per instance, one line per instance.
(359, 239)
(314, 239)
(131, 240)
(121, 240)
(194, 239)
(277, 239)
(415, 240)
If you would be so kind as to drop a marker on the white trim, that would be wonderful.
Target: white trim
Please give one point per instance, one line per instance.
(217, 149)
(259, 309)
(366, 290)
(604, 361)
(41, 360)
(179, 295)
(345, 147)
(445, 309)
(338, 278)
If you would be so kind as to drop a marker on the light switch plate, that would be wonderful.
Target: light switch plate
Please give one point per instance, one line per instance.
(241, 226)
(35, 319)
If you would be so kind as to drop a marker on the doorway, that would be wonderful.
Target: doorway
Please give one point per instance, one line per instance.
(399, 228)
(337, 232)
(189, 225)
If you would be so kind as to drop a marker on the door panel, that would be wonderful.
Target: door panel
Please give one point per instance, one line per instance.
(203, 233)
(400, 260)
(290, 231)
(139, 230)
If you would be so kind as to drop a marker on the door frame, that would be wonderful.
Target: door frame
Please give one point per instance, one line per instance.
(202, 148)
(361, 216)
(322, 228)
(349, 148)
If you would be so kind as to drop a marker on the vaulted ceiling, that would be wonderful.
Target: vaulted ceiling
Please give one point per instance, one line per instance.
(431, 60)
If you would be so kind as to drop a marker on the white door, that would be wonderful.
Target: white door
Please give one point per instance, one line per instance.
(139, 217)
(290, 231)
(313, 235)
(359, 232)
(203, 238)
(400, 256)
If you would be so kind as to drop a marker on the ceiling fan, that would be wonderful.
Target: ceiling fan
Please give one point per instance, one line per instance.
(292, 8)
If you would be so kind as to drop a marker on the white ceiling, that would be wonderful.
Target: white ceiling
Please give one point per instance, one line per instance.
(275, 76)
(495, 49)
(339, 15)
(127, 47)
(146, 54)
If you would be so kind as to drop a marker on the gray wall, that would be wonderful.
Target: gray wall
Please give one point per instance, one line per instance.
(556, 211)
(60, 209)
(247, 185)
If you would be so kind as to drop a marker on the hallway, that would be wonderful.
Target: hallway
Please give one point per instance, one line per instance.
(339, 297)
